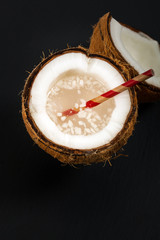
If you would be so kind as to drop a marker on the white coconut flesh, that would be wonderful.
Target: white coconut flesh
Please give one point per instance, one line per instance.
(68, 81)
(138, 49)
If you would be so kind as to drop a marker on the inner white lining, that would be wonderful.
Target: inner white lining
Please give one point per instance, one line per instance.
(139, 50)
(81, 62)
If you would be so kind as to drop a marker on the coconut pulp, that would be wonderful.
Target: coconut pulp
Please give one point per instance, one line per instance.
(72, 89)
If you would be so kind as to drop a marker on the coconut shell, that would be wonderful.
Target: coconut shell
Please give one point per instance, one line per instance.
(101, 43)
(75, 156)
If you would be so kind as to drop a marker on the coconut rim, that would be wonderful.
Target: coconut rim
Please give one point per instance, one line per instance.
(61, 148)
(109, 17)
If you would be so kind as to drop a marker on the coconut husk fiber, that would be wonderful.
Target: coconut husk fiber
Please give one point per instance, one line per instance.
(101, 43)
(75, 156)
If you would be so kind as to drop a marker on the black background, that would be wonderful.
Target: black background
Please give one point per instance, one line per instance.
(40, 198)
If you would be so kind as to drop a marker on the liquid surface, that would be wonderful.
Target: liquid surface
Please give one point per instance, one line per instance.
(73, 89)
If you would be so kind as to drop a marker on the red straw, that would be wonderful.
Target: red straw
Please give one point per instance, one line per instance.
(105, 96)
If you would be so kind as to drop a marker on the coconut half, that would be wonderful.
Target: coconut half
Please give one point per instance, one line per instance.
(136, 51)
(44, 99)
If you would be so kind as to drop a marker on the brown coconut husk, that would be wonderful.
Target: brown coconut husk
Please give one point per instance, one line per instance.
(101, 43)
(75, 156)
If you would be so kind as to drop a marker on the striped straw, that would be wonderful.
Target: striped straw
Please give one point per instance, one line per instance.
(105, 96)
